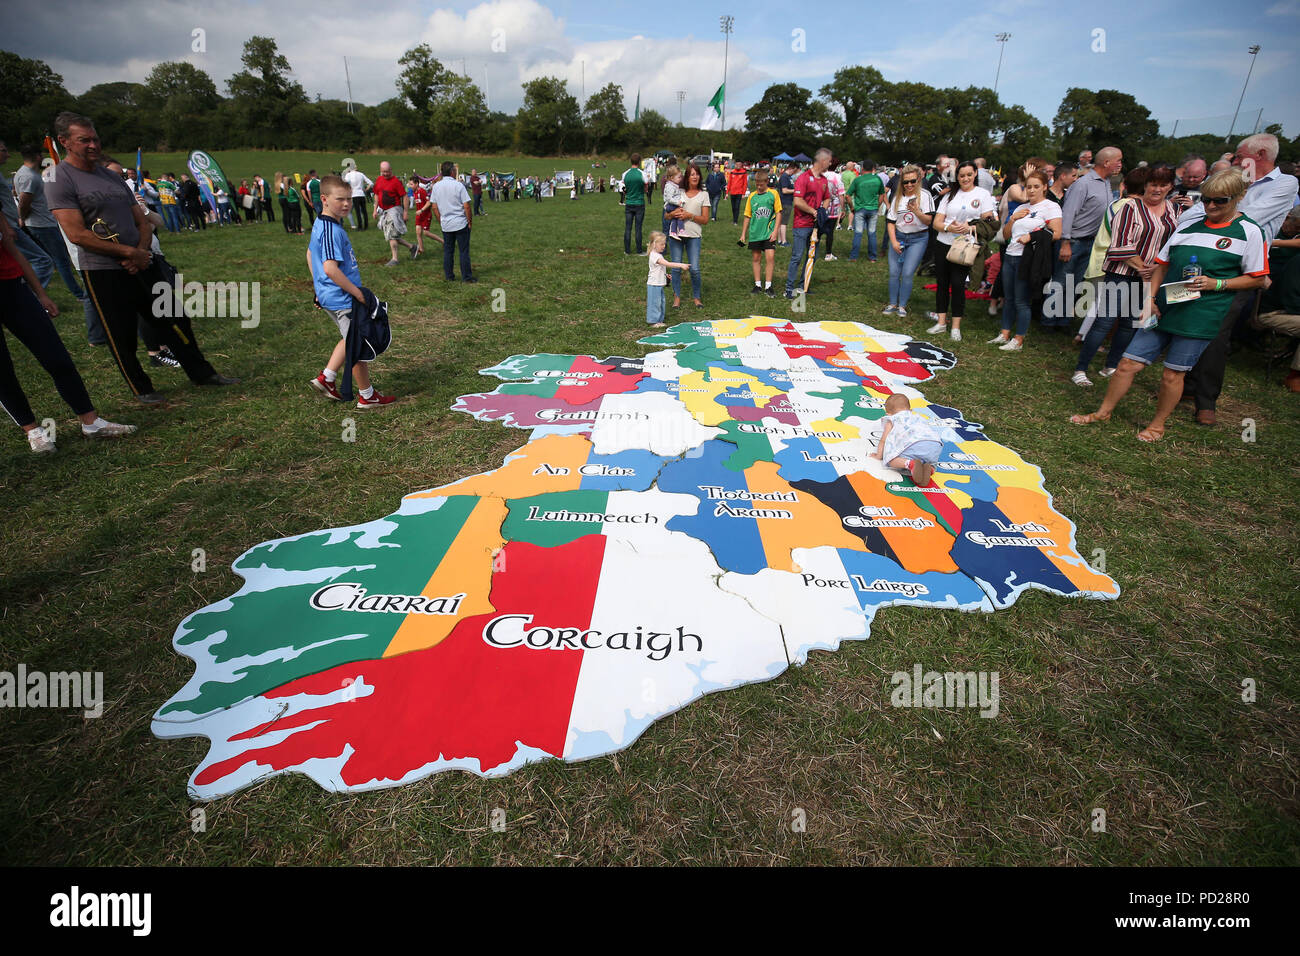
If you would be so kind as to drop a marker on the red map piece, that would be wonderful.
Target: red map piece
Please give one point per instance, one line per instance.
(796, 346)
(900, 363)
(460, 698)
(608, 381)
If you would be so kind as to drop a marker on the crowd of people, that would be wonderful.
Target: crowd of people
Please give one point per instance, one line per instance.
(1157, 261)
(1138, 264)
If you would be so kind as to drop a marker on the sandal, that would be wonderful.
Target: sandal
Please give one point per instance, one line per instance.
(1149, 435)
(1089, 419)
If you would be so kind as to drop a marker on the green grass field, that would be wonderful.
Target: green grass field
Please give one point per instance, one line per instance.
(1133, 706)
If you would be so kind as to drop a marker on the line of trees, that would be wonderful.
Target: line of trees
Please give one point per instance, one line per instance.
(858, 114)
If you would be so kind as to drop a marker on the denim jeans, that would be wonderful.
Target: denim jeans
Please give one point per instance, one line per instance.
(42, 264)
(633, 214)
(1080, 253)
(51, 240)
(713, 206)
(902, 267)
(457, 239)
(691, 246)
(1015, 289)
(1119, 299)
(656, 305)
(864, 218)
(798, 246)
(171, 217)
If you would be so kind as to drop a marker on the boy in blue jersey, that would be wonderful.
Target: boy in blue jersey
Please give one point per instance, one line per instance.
(337, 281)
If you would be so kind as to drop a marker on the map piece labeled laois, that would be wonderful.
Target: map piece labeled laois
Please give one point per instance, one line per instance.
(682, 523)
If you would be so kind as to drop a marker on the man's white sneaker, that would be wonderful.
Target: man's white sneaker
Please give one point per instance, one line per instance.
(955, 335)
(1081, 379)
(103, 428)
(937, 327)
(39, 442)
(1013, 346)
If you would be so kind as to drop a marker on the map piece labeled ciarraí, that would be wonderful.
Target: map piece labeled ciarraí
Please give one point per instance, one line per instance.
(682, 523)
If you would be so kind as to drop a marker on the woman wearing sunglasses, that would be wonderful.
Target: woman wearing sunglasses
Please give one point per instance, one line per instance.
(911, 210)
(1216, 257)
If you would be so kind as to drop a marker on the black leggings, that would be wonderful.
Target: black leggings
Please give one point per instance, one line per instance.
(359, 207)
(123, 301)
(197, 218)
(285, 216)
(22, 315)
(952, 283)
(735, 208)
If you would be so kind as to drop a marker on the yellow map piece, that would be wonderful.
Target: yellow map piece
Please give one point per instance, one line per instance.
(991, 453)
(699, 392)
(828, 428)
(466, 569)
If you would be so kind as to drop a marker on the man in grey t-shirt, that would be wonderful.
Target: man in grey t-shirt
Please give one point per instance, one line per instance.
(101, 217)
(451, 207)
(35, 213)
(42, 264)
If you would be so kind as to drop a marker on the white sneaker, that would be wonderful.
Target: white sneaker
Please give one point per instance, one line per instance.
(1106, 372)
(830, 258)
(1081, 379)
(889, 310)
(39, 442)
(955, 335)
(901, 313)
(1013, 346)
(103, 428)
(992, 308)
(999, 340)
(937, 327)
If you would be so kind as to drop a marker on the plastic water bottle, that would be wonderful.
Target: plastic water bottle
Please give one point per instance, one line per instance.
(1192, 270)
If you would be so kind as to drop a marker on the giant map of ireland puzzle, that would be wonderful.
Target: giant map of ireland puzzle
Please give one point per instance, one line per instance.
(682, 523)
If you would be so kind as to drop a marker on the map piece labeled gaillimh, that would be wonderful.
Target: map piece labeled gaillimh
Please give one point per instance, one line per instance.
(682, 523)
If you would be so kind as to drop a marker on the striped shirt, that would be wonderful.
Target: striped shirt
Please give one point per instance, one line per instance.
(1137, 231)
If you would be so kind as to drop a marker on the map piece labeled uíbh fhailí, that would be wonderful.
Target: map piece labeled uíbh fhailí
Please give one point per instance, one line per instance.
(682, 523)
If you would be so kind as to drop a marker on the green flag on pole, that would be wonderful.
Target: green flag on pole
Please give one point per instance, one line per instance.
(636, 114)
(713, 112)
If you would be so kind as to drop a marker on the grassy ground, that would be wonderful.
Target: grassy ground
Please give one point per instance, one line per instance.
(1132, 706)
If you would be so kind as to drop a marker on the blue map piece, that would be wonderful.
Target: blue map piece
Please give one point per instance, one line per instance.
(794, 467)
(981, 485)
(737, 396)
(839, 374)
(734, 541)
(1004, 570)
(650, 384)
(645, 467)
(969, 431)
(877, 580)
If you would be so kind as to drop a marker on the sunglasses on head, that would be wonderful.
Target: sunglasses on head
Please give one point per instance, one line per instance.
(1216, 200)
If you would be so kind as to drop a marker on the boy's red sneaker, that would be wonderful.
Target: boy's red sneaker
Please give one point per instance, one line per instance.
(327, 389)
(376, 400)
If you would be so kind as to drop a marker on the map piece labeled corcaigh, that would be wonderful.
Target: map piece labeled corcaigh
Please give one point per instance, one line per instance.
(682, 523)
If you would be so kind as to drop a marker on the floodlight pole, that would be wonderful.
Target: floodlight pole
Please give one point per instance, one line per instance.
(349, 78)
(1254, 52)
(726, 22)
(681, 98)
(1002, 39)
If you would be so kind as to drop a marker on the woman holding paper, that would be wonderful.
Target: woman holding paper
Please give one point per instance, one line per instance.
(1212, 259)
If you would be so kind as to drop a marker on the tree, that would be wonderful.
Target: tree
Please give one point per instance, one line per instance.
(913, 120)
(648, 132)
(604, 117)
(263, 94)
(974, 114)
(786, 118)
(30, 96)
(422, 79)
(1105, 118)
(855, 93)
(1022, 136)
(458, 116)
(549, 117)
(183, 98)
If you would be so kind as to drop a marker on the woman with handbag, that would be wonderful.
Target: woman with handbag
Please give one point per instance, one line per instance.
(954, 226)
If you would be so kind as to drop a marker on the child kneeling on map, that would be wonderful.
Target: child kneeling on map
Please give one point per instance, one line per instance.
(908, 442)
(337, 281)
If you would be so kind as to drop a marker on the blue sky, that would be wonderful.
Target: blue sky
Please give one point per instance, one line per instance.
(1185, 61)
